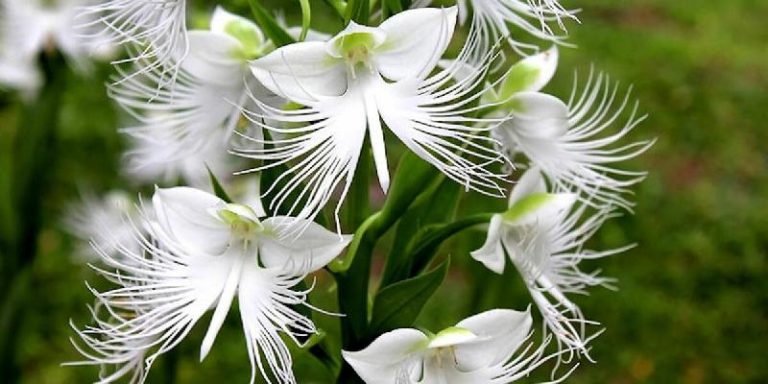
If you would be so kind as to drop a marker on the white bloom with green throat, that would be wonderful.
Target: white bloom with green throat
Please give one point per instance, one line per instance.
(184, 126)
(487, 348)
(544, 237)
(201, 252)
(359, 78)
(570, 143)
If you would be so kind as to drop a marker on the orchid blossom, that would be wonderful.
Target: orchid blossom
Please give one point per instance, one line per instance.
(486, 348)
(349, 85)
(90, 219)
(543, 236)
(199, 253)
(568, 141)
(187, 125)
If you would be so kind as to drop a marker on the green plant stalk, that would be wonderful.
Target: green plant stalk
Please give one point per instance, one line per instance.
(34, 155)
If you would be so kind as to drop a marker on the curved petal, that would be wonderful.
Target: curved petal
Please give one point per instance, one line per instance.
(532, 181)
(267, 310)
(491, 254)
(416, 40)
(184, 214)
(213, 57)
(311, 250)
(539, 115)
(530, 74)
(383, 360)
(500, 333)
(301, 71)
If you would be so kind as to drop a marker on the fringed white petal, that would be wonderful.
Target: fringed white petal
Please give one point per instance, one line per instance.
(491, 19)
(547, 254)
(155, 30)
(184, 128)
(267, 305)
(574, 151)
(320, 153)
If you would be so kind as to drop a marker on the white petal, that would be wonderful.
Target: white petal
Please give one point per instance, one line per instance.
(213, 58)
(532, 181)
(500, 333)
(491, 254)
(224, 302)
(530, 74)
(301, 71)
(314, 248)
(382, 361)
(416, 40)
(185, 214)
(544, 209)
(539, 115)
(266, 310)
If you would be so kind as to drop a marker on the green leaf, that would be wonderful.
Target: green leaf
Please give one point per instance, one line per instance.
(426, 243)
(399, 304)
(437, 204)
(358, 11)
(269, 25)
(218, 190)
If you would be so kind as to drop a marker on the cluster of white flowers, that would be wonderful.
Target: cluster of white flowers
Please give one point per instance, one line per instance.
(228, 99)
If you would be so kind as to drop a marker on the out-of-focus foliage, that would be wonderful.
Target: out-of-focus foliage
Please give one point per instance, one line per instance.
(693, 299)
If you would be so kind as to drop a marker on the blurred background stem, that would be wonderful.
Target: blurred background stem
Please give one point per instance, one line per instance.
(34, 154)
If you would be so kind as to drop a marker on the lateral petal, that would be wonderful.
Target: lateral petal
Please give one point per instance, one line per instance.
(500, 333)
(491, 254)
(314, 248)
(416, 40)
(184, 214)
(387, 357)
(302, 72)
(213, 57)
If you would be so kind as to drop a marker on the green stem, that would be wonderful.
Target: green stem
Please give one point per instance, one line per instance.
(33, 156)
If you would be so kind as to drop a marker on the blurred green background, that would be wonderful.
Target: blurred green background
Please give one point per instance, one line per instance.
(693, 300)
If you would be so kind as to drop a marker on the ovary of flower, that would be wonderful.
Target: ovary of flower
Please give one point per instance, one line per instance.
(199, 253)
(544, 238)
(486, 348)
(353, 82)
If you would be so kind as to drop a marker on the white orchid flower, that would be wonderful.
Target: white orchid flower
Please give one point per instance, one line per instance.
(191, 123)
(89, 219)
(543, 237)
(157, 29)
(201, 252)
(568, 141)
(349, 85)
(30, 27)
(486, 348)
(492, 20)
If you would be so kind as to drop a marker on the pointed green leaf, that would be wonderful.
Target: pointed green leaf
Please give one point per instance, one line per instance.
(218, 190)
(269, 25)
(399, 304)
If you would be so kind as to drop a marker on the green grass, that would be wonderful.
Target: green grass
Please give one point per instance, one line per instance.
(693, 300)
